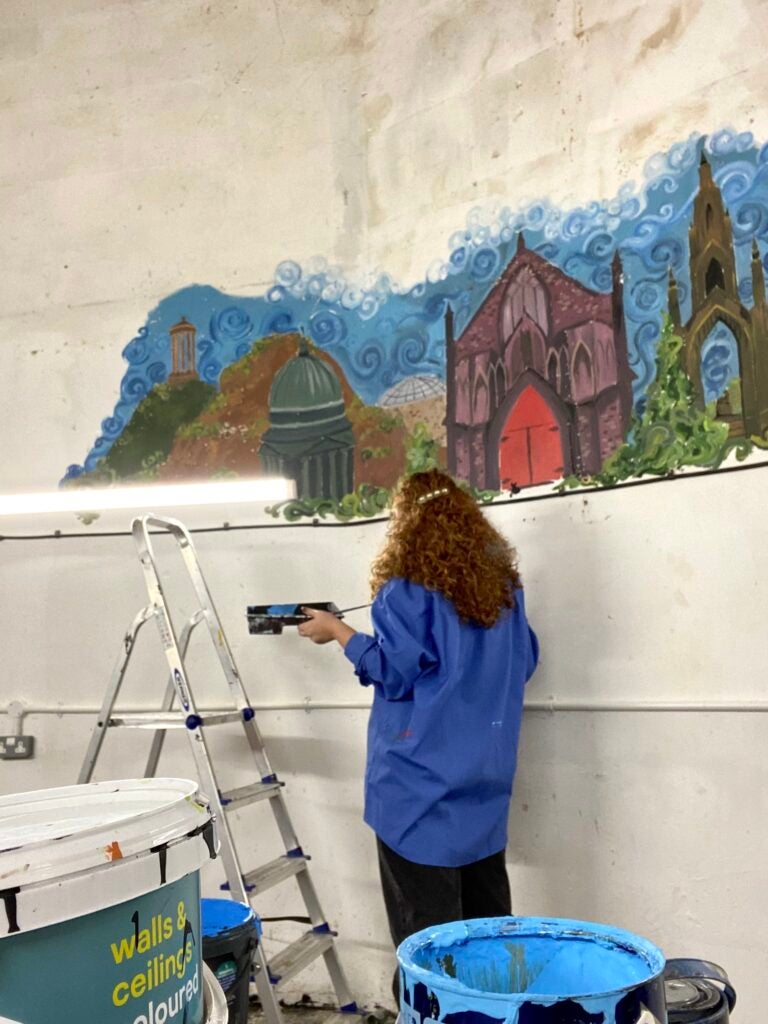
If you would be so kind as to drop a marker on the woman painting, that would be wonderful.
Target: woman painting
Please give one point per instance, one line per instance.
(448, 662)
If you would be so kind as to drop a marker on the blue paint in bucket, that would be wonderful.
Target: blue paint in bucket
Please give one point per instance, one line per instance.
(530, 971)
(231, 933)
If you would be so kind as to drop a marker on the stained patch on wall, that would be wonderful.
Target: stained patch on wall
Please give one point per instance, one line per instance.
(624, 337)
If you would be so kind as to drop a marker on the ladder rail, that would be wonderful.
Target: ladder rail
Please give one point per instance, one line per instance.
(158, 741)
(110, 698)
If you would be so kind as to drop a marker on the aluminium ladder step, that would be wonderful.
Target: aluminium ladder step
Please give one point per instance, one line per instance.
(244, 795)
(172, 719)
(299, 954)
(274, 872)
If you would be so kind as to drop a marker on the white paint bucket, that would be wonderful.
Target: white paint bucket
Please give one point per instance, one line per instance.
(100, 903)
(216, 1011)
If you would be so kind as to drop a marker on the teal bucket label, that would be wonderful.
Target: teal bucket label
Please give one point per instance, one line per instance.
(136, 963)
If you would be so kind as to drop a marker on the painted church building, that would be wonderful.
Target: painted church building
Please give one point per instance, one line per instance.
(538, 382)
(725, 342)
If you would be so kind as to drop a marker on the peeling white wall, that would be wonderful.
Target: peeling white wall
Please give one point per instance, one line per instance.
(150, 145)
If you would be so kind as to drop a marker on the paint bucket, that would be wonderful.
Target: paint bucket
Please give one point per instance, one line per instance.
(230, 936)
(100, 903)
(697, 992)
(530, 971)
(215, 1002)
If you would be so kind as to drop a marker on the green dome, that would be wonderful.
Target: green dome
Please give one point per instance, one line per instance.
(305, 383)
(309, 437)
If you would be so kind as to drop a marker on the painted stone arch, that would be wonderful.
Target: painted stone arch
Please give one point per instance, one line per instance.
(721, 376)
(525, 298)
(529, 441)
(699, 333)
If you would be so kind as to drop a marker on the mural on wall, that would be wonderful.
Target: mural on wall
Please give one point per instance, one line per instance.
(576, 347)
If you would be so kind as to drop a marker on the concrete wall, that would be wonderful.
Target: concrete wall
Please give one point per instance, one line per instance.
(147, 146)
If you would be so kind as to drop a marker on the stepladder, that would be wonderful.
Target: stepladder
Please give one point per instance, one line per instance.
(179, 710)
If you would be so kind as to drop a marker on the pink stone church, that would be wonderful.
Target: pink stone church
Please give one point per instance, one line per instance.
(538, 382)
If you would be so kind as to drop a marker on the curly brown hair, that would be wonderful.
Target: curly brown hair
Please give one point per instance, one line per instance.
(439, 537)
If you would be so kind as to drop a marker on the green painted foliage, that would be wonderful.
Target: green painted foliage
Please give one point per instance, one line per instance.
(364, 503)
(421, 450)
(671, 433)
(149, 436)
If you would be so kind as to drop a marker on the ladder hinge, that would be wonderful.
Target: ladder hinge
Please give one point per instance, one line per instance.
(297, 852)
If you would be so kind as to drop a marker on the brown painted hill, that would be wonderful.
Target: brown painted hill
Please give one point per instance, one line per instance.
(224, 440)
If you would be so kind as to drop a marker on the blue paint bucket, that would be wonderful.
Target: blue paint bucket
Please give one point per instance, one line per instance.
(230, 936)
(530, 971)
(100, 903)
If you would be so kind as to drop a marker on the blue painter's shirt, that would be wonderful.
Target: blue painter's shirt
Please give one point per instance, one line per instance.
(444, 726)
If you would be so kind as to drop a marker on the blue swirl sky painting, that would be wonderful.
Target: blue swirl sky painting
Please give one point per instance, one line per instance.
(380, 332)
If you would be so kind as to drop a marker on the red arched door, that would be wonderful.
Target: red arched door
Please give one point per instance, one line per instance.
(531, 450)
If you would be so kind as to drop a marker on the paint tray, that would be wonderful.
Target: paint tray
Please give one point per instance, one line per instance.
(271, 619)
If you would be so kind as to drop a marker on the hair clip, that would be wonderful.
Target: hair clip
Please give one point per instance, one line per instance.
(430, 495)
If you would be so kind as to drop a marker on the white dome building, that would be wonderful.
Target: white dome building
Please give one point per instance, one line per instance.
(413, 389)
(419, 399)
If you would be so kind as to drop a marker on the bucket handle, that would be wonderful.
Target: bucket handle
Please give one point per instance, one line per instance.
(680, 968)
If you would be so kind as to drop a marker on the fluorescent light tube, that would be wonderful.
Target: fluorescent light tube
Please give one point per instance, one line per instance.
(149, 496)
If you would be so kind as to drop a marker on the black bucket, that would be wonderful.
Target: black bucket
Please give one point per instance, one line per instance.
(697, 992)
(230, 936)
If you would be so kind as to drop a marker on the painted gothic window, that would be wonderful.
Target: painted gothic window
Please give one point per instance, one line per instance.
(605, 369)
(463, 400)
(582, 379)
(526, 348)
(525, 297)
(553, 371)
(481, 412)
(714, 276)
(501, 387)
(525, 352)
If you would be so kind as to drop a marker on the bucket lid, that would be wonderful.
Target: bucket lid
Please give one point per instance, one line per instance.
(689, 998)
(53, 833)
(219, 916)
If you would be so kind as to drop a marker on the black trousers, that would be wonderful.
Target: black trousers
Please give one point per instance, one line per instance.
(419, 895)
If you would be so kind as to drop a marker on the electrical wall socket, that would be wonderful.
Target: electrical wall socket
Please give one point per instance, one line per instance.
(16, 748)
